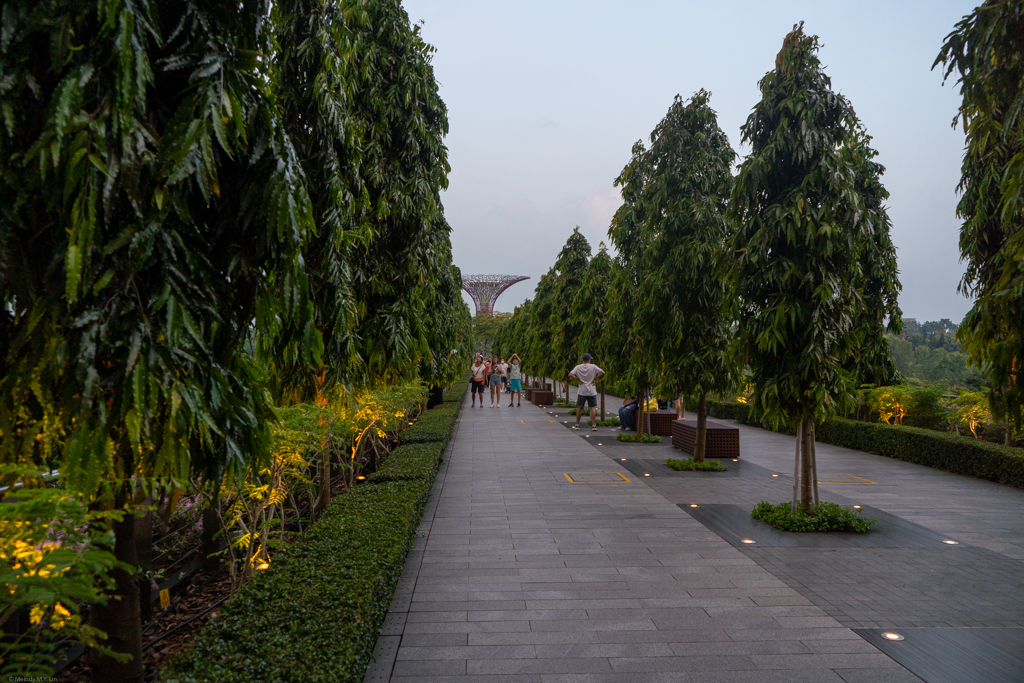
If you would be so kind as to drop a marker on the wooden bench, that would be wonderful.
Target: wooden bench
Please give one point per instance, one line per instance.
(660, 421)
(722, 441)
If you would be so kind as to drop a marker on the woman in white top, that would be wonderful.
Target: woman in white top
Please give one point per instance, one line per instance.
(479, 371)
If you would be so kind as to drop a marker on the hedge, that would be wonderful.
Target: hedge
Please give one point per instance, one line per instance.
(433, 425)
(941, 450)
(315, 614)
(944, 451)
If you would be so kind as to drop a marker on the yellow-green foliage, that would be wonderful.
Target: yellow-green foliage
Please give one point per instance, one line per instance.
(52, 563)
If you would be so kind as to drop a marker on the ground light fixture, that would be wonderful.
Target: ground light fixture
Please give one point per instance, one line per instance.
(735, 459)
(892, 635)
(949, 542)
(775, 475)
(622, 459)
(856, 507)
(693, 505)
(748, 540)
(647, 474)
(360, 477)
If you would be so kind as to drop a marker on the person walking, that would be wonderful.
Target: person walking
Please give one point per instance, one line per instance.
(515, 383)
(476, 386)
(587, 373)
(494, 381)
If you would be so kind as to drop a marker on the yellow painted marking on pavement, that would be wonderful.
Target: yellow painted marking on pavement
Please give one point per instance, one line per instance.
(860, 480)
(612, 480)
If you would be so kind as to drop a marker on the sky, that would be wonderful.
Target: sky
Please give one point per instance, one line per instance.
(546, 99)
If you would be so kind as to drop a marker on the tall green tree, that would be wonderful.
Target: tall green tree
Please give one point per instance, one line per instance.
(542, 326)
(571, 267)
(986, 52)
(590, 309)
(682, 203)
(152, 208)
(871, 359)
(363, 106)
(796, 265)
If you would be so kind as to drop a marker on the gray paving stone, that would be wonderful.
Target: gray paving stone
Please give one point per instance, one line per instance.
(519, 575)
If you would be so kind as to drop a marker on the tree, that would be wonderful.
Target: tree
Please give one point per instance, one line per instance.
(986, 51)
(571, 267)
(153, 208)
(590, 309)
(682, 201)
(796, 255)
(871, 361)
(542, 326)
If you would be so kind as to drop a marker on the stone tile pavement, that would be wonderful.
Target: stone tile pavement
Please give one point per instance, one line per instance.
(519, 574)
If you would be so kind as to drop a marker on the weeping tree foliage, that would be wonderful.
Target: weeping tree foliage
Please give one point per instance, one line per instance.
(798, 253)
(986, 53)
(542, 326)
(871, 361)
(571, 267)
(153, 208)
(679, 191)
(629, 358)
(363, 108)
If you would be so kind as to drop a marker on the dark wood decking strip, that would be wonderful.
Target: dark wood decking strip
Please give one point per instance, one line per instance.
(956, 655)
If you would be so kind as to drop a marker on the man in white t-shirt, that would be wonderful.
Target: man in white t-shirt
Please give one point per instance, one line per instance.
(587, 373)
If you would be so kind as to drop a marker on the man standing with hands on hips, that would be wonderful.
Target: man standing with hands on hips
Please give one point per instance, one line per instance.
(587, 373)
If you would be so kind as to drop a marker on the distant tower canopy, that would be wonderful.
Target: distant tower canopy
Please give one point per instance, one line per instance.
(485, 289)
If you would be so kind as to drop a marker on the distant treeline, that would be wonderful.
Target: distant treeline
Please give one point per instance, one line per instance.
(929, 352)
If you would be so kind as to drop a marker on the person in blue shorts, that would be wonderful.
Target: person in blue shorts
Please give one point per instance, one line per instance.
(515, 380)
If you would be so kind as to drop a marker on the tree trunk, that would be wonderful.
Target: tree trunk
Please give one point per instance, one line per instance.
(1008, 439)
(212, 544)
(814, 465)
(796, 467)
(641, 423)
(680, 408)
(702, 428)
(119, 618)
(806, 470)
(144, 554)
(324, 472)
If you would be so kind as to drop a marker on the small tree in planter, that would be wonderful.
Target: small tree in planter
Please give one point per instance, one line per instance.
(590, 309)
(797, 255)
(684, 226)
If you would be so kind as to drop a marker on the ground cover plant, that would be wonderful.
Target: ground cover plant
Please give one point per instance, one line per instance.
(639, 438)
(691, 465)
(822, 517)
(314, 614)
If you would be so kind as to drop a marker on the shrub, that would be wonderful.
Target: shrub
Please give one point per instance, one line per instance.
(729, 410)
(610, 422)
(639, 438)
(456, 393)
(315, 614)
(823, 517)
(433, 425)
(691, 465)
(958, 454)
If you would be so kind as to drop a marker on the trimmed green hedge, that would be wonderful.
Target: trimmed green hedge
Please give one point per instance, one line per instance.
(456, 393)
(433, 425)
(941, 450)
(944, 451)
(315, 614)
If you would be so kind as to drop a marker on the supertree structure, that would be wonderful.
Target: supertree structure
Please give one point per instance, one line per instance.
(485, 289)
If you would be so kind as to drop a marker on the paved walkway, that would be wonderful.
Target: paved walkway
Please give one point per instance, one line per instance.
(522, 575)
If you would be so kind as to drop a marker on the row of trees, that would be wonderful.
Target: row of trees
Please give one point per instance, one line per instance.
(786, 270)
(208, 208)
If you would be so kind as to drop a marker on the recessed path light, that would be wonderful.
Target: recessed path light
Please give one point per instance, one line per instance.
(891, 635)
(735, 459)
(693, 505)
(747, 540)
(856, 507)
(948, 542)
(622, 459)
(775, 475)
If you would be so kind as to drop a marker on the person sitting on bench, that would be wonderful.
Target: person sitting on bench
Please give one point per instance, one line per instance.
(627, 413)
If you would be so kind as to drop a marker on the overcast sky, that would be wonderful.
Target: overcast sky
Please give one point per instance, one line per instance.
(545, 100)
